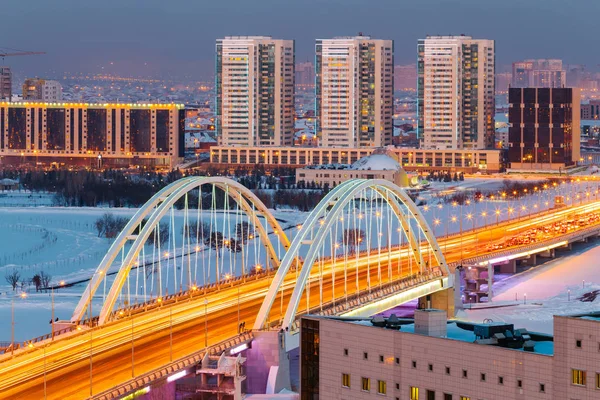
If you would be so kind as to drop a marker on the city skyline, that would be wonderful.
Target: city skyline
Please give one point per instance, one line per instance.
(178, 42)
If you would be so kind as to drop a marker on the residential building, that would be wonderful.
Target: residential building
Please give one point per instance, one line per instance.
(455, 88)
(539, 73)
(255, 91)
(5, 83)
(100, 135)
(305, 74)
(431, 358)
(590, 110)
(42, 90)
(411, 159)
(355, 91)
(544, 128)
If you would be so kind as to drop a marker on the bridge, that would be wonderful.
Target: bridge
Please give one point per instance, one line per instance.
(204, 267)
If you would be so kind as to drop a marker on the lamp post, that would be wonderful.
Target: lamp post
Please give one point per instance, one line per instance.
(99, 161)
(23, 295)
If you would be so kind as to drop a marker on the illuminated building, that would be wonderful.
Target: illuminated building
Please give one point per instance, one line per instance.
(354, 86)
(255, 91)
(544, 128)
(455, 88)
(305, 74)
(95, 135)
(42, 90)
(538, 73)
(468, 161)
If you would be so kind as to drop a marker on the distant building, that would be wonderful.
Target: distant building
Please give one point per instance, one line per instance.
(96, 135)
(35, 89)
(432, 358)
(503, 82)
(5, 83)
(255, 91)
(405, 77)
(544, 128)
(411, 159)
(305, 74)
(355, 91)
(575, 75)
(590, 110)
(539, 74)
(456, 103)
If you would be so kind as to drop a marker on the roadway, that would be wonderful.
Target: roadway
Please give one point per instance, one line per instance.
(67, 359)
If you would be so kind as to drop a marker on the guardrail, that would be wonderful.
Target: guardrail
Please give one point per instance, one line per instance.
(539, 246)
(147, 379)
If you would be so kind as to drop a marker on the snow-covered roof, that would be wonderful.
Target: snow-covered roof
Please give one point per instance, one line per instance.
(377, 162)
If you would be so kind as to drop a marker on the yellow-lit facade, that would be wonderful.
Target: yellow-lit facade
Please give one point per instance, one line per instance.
(88, 134)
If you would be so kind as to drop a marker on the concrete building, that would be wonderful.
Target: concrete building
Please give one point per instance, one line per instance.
(92, 135)
(405, 77)
(35, 89)
(432, 359)
(382, 164)
(255, 91)
(468, 161)
(305, 74)
(355, 91)
(539, 74)
(544, 132)
(455, 90)
(5, 83)
(590, 110)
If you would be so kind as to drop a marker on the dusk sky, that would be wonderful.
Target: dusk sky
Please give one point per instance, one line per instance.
(176, 37)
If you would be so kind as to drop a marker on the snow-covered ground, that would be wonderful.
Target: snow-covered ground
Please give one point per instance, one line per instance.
(553, 288)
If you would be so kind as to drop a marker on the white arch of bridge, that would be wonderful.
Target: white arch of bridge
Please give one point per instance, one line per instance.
(323, 217)
(154, 210)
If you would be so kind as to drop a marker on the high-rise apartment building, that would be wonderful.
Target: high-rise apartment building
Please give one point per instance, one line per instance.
(255, 91)
(42, 90)
(455, 88)
(355, 88)
(305, 74)
(539, 73)
(544, 128)
(5, 83)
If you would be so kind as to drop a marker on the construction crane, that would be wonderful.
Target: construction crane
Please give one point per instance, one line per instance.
(14, 52)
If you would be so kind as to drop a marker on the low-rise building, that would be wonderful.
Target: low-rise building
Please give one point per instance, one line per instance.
(411, 159)
(430, 358)
(379, 165)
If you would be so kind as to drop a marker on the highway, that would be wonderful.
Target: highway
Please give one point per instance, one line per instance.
(109, 348)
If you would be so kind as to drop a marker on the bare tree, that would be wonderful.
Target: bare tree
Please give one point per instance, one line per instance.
(37, 281)
(45, 279)
(13, 278)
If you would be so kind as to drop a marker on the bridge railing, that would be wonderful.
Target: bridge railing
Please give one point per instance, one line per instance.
(140, 382)
(576, 235)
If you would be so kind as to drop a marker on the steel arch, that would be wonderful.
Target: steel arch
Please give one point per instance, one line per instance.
(156, 208)
(337, 200)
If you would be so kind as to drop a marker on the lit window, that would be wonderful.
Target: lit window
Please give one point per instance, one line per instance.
(414, 393)
(381, 387)
(346, 380)
(578, 377)
(366, 384)
(465, 398)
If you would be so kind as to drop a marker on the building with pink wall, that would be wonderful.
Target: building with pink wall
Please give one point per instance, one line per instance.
(343, 359)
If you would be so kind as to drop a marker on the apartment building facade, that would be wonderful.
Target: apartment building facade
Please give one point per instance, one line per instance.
(255, 91)
(355, 91)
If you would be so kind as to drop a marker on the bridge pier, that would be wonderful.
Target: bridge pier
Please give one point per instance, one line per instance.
(267, 363)
(440, 300)
(529, 260)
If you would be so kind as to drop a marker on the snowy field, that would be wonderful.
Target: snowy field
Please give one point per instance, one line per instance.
(552, 288)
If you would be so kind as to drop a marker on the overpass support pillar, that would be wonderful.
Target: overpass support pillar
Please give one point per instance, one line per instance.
(509, 268)
(267, 363)
(442, 300)
(547, 254)
(531, 260)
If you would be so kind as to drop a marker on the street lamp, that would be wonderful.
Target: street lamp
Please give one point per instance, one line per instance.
(23, 295)
(99, 161)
